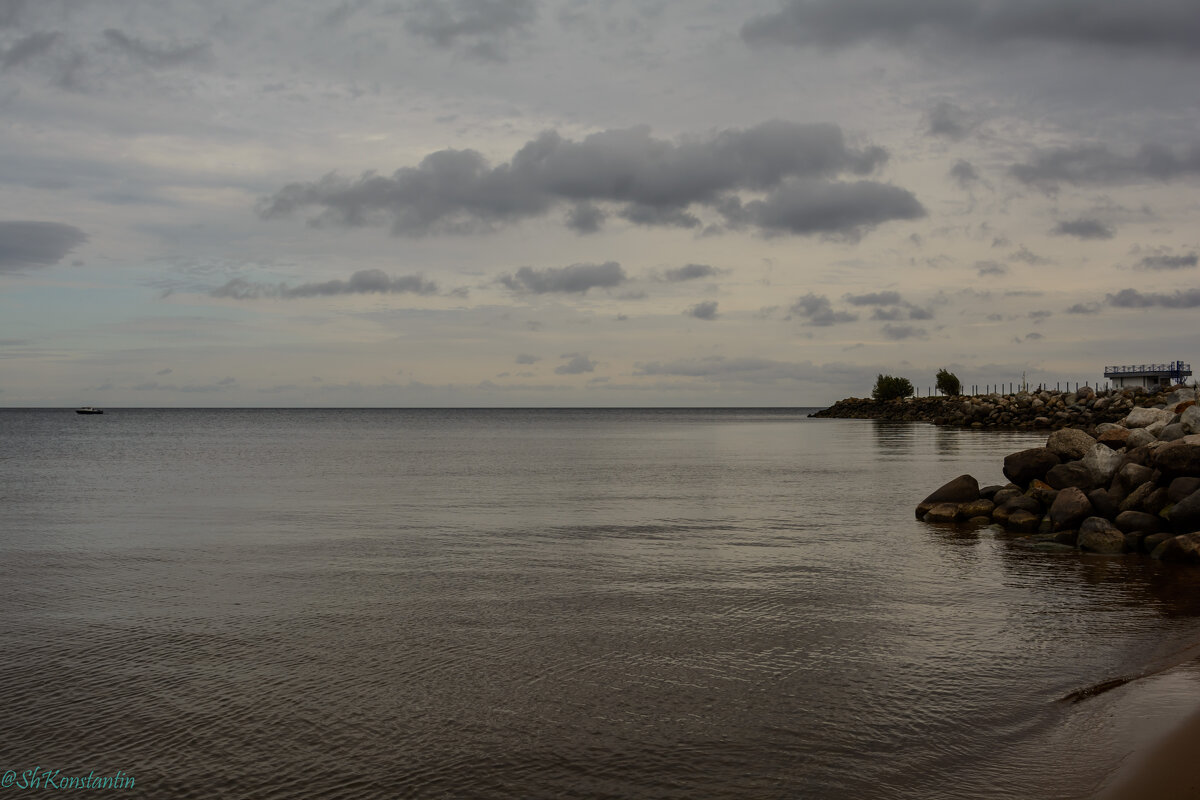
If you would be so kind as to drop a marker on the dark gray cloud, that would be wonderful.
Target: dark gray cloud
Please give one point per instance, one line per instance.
(1132, 298)
(651, 181)
(705, 311)
(36, 244)
(24, 49)
(577, 278)
(964, 173)
(899, 333)
(155, 55)
(10, 12)
(1027, 256)
(817, 310)
(1084, 308)
(1168, 262)
(919, 313)
(988, 268)
(873, 299)
(689, 272)
(888, 314)
(480, 27)
(525, 358)
(578, 363)
(1097, 164)
(367, 281)
(948, 120)
(1038, 316)
(809, 207)
(1150, 25)
(1084, 229)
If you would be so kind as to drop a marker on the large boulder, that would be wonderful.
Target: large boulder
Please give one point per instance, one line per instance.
(1101, 463)
(1026, 465)
(1043, 492)
(1023, 521)
(1131, 476)
(1070, 508)
(1185, 515)
(1181, 488)
(976, 508)
(962, 489)
(942, 512)
(1136, 501)
(1178, 458)
(1141, 436)
(1070, 444)
(1098, 535)
(1073, 473)
(1137, 522)
(1141, 417)
(1190, 420)
(1184, 549)
(1104, 503)
(1172, 432)
(1181, 394)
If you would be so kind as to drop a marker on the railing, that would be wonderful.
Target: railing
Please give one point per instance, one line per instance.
(1174, 368)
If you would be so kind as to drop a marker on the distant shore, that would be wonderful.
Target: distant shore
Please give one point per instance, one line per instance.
(1026, 410)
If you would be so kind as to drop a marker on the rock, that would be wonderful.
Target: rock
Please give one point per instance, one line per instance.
(977, 508)
(1139, 455)
(1172, 432)
(962, 489)
(1154, 540)
(1156, 501)
(1103, 503)
(1007, 493)
(1141, 417)
(1073, 473)
(1137, 498)
(1185, 514)
(1190, 419)
(1137, 522)
(1022, 467)
(1178, 458)
(988, 492)
(1101, 463)
(1070, 508)
(1131, 476)
(1181, 395)
(1043, 492)
(1183, 549)
(1023, 521)
(1181, 488)
(1069, 444)
(1114, 437)
(1097, 535)
(1133, 542)
(1140, 437)
(942, 512)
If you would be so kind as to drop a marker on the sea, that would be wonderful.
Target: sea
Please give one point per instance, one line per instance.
(555, 603)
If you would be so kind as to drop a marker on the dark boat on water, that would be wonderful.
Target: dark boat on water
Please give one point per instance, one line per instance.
(88, 410)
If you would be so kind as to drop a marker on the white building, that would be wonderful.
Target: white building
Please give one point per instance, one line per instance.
(1148, 376)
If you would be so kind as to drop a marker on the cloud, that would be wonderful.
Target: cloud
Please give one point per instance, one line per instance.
(157, 56)
(1038, 316)
(819, 311)
(578, 363)
(948, 120)
(808, 207)
(650, 181)
(367, 281)
(1084, 229)
(919, 313)
(873, 299)
(24, 49)
(888, 314)
(706, 310)
(753, 370)
(1084, 308)
(1132, 298)
(1027, 256)
(900, 332)
(987, 268)
(482, 24)
(964, 173)
(36, 244)
(690, 272)
(577, 278)
(1096, 164)
(1150, 25)
(525, 358)
(1168, 262)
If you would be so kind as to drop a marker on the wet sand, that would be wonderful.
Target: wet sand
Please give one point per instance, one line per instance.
(1167, 770)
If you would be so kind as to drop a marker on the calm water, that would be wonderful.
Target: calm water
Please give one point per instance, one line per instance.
(558, 604)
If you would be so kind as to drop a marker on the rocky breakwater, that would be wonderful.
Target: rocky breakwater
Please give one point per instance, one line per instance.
(1049, 410)
(1133, 487)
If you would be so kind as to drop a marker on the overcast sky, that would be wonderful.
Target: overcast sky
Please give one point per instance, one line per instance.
(564, 203)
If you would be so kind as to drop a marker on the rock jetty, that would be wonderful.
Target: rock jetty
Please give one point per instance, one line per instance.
(1029, 410)
(1131, 486)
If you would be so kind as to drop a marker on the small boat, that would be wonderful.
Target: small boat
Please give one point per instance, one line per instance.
(88, 410)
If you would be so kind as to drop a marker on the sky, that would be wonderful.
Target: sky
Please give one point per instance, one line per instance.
(603, 203)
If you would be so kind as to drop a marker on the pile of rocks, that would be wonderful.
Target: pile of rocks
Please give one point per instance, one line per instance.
(1128, 487)
(1051, 410)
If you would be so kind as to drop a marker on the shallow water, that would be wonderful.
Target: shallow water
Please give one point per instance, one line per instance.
(532, 603)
